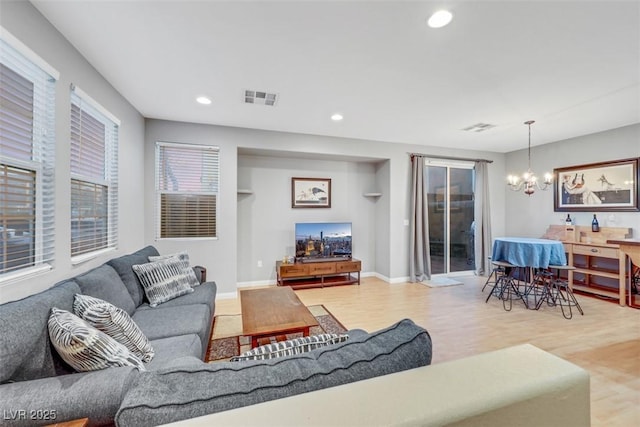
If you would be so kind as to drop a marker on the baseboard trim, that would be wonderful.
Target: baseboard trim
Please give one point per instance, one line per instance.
(227, 295)
(271, 282)
(389, 279)
(256, 283)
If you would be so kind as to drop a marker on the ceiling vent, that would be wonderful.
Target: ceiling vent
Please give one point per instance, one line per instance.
(478, 127)
(260, 98)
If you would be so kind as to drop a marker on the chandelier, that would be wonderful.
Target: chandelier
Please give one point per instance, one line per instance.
(528, 181)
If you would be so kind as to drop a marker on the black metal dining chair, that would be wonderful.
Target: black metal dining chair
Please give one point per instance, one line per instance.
(496, 271)
(506, 286)
(555, 290)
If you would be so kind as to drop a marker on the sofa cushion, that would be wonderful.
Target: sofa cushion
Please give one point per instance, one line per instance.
(114, 322)
(104, 282)
(179, 393)
(171, 348)
(164, 280)
(290, 347)
(164, 322)
(26, 352)
(123, 264)
(84, 347)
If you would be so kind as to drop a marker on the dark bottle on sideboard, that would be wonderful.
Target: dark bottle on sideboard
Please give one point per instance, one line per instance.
(595, 227)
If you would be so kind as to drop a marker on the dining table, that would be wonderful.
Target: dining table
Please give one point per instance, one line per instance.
(529, 252)
(529, 260)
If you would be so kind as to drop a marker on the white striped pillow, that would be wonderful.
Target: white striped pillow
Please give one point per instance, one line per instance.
(290, 347)
(184, 257)
(84, 347)
(114, 322)
(163, 280)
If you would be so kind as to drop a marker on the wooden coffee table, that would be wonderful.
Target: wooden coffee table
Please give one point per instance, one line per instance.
(268, 312)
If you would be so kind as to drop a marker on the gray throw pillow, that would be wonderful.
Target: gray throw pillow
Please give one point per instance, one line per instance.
(84, 347)
(114, 322)
(163, 280)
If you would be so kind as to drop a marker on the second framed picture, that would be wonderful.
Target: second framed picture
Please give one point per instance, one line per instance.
(606, 186)
(310, 192)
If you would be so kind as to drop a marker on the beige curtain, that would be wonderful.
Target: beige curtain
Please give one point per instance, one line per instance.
(420, 258)
(482, 219)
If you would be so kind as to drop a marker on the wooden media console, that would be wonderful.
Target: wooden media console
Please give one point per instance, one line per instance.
(302, 275)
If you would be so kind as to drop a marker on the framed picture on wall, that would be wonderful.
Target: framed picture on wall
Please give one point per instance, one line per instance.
(310, 192)
(597, 187)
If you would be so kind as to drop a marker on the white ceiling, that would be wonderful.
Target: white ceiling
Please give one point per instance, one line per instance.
(573, 66)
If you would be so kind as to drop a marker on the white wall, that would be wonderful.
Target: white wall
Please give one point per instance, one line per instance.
(232, 258)
(383, 183)
(24, 22)
(530, 216)
(219, 255)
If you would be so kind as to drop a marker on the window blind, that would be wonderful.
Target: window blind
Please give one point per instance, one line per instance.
(94, 176)
(27, 143)
(187, 181)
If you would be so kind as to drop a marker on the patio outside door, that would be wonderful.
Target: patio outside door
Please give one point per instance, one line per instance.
(450, 203)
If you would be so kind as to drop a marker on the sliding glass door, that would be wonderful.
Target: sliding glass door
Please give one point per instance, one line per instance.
(450, 201)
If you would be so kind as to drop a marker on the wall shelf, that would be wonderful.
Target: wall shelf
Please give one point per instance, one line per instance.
(244, 191)
(372, 194)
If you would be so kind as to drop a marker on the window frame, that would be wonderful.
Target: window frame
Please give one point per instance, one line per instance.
(26, 64)
(160, 145)
(109, 179)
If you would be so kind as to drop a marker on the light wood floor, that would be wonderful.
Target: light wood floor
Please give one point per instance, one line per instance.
(605, 341)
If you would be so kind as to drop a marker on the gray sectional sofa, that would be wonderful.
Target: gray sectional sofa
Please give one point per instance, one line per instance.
(37, 387)
(35, 378)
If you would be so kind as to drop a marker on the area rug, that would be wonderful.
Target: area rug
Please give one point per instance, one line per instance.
(439, 282)
(227, 339)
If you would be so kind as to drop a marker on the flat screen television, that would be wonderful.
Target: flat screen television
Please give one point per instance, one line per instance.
(323, 241)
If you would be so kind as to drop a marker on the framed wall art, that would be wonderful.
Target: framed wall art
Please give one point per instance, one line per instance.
(597, 187)
(310, 192)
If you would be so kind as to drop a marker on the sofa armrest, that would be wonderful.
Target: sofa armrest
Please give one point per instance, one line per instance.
(201, 273)
(174, 394)
(519, 385)
(95, 395)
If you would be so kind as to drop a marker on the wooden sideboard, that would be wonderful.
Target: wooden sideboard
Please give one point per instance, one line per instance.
(302, 275)
(630, 248)
(600, 267)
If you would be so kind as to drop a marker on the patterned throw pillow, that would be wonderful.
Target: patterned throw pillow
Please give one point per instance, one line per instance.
(290, 347)
(184, 257)
(163, 280)
(84, 347)
(114, 322)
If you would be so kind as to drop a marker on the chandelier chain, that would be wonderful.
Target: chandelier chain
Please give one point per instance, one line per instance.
(529, 181)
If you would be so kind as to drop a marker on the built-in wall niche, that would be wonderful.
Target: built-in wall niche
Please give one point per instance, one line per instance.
(265, 218)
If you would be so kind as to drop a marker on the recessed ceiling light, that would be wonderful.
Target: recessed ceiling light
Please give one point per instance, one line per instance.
(440, 19)
(336, 117)
(203, 100)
